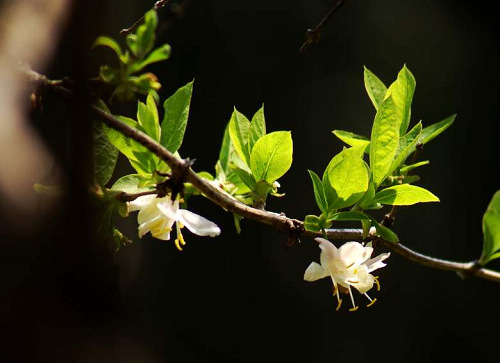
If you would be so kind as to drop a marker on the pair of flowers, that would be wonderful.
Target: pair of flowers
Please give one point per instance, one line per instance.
(347, 266)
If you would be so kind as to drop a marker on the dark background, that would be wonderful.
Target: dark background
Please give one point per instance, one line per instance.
(242, 298)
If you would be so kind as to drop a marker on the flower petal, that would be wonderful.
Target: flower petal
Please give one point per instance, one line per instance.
(376, 262)
(328, 251)
(364, 280)
(197, 224)
(140, 203)
(353, 253)
(315, 272)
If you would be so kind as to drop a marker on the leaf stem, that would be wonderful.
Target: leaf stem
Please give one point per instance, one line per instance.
(158, 5)
(280, 222)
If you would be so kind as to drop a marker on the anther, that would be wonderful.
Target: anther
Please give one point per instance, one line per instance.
(377, 283)
(354, 308)
(339, 305)
(177, 244)
(371, 303)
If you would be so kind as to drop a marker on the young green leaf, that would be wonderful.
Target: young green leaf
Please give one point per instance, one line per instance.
(430, 132)
(384, 140)
(384, 232)
(352, 139)
(159, 54)
(272, 156)
(147, 117)
(402, 91)
(257, 128)
(404, 194)
(312, 223)
(406, 147)
(239, 129)
(374, 87)
(408, 168)
(109, 42)
(105, 155)
(225, 151)
(246, 178)
(175, 119)
(133, 184)
(143, 40)
(491, 231)
(366, 202)
(319, 193)
(349, 216)
(345, 179)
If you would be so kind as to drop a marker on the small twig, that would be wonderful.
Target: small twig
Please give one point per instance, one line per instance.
(158, 5)
(279, 221)
(128, 197)
(314, 35)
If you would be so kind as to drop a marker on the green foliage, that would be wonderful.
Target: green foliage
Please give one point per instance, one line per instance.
(138, 55)
(105, 154)
(404, 194)
(175, 120)
(349, 186)
(491, 231)
(271, 156)
(251, 161)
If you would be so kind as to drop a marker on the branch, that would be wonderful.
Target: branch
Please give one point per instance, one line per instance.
(314, 35)
(294, 227)
(158, 5)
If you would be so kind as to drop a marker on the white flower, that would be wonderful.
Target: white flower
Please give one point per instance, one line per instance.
(347, 266)
(158, 215)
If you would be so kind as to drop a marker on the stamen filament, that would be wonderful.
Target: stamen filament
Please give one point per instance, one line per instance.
(354, 307)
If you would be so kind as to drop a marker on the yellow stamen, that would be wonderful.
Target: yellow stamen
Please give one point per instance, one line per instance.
(354, 308)
(177, 244)
(339, 305)
(180, 225)
(377, 283)
(371, 303)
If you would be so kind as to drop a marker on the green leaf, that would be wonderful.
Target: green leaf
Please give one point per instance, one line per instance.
(366, 202)
(175, 120)
(133, 183)
(345, 179)
(105, 41)
(109, 74)
(491, 231)
(225, 151)
(406, 169)
(143, 161)
(272, 156)
(147, 117)
(105, 155)
(384, 140)
(159, 54)
(406, 147)
(404, 194)
(374, 87)
(349, 216)
(143, 40)
(402, 91)
(246, 178)
(430, 132)
(257, 128)
(239, 129)
(352, 139)
(384, 232)
(319, 193)
(312, 223)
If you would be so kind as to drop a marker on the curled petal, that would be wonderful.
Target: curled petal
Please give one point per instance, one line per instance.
(315, 272)
(197, 224)
(364, 280)
(376, 262)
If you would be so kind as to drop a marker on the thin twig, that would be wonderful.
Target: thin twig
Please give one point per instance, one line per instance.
(127, 197)
(314, 35)
(158, 5)
(280, 222)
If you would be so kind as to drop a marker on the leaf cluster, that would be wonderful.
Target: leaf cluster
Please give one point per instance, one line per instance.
(139, 53)
(349, 185)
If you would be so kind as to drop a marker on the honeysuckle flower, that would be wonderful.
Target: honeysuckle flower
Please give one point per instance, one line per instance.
(158, 216)
(347, 266)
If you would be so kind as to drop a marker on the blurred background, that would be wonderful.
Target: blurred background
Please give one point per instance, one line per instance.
(242, 298)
